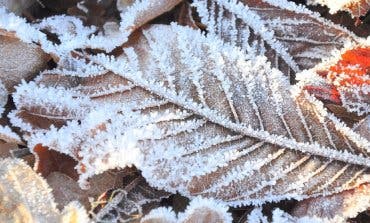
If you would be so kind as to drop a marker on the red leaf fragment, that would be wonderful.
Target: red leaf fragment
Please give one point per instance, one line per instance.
(355, 65)
(50, 160)
(327, 93)
(346, 81)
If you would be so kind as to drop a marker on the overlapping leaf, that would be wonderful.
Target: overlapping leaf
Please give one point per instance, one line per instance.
(336, 208)
(196, 117)
(292, 37)
(343, 81)
(19, 60)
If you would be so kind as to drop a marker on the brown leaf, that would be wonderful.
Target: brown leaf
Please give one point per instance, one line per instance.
(129, 202)
(26, 197)
(337, 207)
(229, 130)
(291, 37)
(66, 189)
(48, 161)
(143, 11)
(19, 60)
(6, 148)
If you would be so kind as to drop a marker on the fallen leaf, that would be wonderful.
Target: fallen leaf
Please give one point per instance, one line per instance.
(48, 161)
(26, 197)
(130, 201)
(66, 189)
(244, 140)
(338, 207)
(19, 60)
(290, 36)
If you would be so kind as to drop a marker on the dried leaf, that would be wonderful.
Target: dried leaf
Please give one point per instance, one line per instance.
(19, 60)
(290, 36)
(65, 189)
(48, 161)
(137, 13)
(26, 197)
(129, 202)
(337, 207)
(210, 123)
(6, 148)
(357, 8)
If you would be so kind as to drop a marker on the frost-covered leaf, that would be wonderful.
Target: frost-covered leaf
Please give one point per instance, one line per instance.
(26, 197)
(128, 202)
(357, 8)
(290, 36)
(137, 13)
(199, 210)
(72, 34)
(343, 81)
(338, 207)
(19, 60)
(195, 116)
